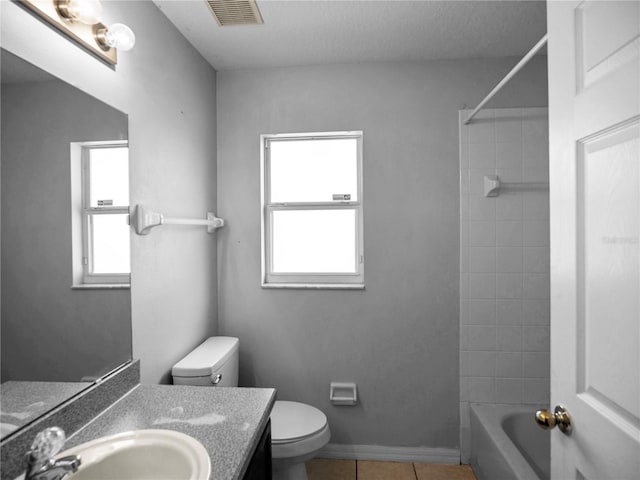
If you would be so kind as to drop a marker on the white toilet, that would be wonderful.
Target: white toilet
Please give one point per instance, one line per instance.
(298, 431)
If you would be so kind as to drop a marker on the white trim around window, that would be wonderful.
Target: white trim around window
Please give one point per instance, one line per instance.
(308, 223)
(84, 216)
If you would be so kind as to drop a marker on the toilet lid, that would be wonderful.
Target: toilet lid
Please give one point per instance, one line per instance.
(291, 421)
(208, 356)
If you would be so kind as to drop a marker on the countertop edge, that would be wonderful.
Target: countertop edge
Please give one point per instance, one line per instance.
(256, 438)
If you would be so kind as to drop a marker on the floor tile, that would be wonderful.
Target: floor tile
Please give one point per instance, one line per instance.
(368, 470)
(435, 471)
(328, 469)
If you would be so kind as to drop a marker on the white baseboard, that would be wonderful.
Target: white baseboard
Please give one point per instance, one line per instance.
(390, 454)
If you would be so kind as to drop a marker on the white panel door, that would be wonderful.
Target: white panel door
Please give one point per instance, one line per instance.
(594, 122)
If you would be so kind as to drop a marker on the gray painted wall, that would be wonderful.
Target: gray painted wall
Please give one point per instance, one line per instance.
(398, 339)
(168, 91)
(50, 332)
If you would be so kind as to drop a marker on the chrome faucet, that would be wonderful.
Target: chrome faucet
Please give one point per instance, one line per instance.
(40, 462)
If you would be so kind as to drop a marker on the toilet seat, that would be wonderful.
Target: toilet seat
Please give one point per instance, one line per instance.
(298, 431)
(293, 422)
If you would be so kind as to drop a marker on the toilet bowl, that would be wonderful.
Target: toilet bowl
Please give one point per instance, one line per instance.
(298, 430)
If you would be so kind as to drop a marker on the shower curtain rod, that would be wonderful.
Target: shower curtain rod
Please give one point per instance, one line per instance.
(508, 77)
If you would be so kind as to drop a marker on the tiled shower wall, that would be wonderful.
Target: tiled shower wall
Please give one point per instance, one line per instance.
(504, 261)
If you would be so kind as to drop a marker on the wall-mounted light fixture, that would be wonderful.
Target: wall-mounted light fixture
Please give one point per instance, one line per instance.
(80, 21)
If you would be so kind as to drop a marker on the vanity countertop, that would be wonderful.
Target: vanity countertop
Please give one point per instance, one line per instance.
(227, 421)
(22, 402)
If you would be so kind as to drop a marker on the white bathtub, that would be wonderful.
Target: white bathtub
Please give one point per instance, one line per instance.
(506, 444)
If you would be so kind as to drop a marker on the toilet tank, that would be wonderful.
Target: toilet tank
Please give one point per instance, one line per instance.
(213, 363)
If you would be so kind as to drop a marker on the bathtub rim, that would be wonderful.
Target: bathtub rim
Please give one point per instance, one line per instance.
(490, 418)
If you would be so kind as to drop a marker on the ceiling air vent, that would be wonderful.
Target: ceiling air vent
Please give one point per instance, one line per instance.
(235, 12)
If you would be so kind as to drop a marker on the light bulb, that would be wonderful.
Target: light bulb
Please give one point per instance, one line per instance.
(119, 36)
(83, 11)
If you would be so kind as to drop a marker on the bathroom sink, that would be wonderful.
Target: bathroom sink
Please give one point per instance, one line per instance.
(142, 455)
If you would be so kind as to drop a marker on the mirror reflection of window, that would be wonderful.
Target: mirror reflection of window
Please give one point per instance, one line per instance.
(101, 222)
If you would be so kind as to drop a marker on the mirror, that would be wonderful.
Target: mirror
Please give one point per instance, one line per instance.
(56, 340)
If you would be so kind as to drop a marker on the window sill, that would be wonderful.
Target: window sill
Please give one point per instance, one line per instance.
(102, 286)
(315, 286)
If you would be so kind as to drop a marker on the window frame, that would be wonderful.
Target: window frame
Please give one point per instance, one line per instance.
(83, 276)
(317, 280)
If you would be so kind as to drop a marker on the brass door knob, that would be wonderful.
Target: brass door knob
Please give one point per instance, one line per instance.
(560, 417)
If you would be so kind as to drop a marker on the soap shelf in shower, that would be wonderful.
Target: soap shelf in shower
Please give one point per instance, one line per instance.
(144, 220)
(493, 185)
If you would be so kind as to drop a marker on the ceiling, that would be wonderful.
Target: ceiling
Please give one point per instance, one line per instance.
(311, 32)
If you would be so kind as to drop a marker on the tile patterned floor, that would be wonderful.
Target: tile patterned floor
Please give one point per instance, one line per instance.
(326, 469)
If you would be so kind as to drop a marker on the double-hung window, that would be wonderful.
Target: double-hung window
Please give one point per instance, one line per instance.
(101, 214)
(312, 222)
